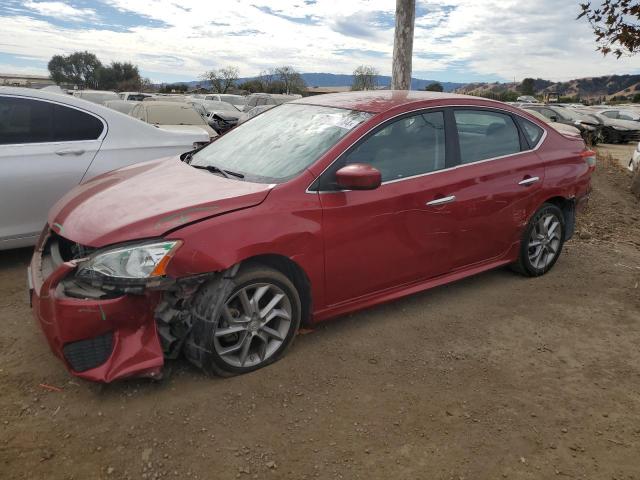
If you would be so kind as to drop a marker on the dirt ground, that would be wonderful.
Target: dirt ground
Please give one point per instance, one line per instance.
(496, 376)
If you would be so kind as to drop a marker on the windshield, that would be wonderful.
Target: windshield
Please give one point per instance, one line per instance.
(232, 99)
(173, 115)
(280, 143)
(219, 107)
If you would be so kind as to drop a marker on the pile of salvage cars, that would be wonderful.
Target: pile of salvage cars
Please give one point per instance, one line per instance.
(596, 124)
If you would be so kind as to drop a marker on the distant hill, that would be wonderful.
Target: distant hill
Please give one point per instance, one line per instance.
(584, 88)
(338, 80)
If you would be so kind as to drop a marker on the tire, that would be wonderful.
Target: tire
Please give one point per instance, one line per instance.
(222, 306)
(535, 259)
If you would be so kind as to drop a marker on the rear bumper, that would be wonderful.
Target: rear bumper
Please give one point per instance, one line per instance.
(97, 340)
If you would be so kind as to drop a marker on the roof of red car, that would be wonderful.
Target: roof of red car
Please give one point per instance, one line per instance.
(376, 101)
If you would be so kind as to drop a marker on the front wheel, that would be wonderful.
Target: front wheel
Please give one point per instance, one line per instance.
(541, 242)
(243, 323)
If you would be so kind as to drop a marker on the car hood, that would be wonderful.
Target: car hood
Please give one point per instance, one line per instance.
(189, 128)
(147, 200)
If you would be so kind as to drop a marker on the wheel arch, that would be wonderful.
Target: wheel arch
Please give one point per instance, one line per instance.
(294, 272)
(568, 208)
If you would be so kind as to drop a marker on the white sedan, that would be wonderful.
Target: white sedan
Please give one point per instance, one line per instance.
(50, 142)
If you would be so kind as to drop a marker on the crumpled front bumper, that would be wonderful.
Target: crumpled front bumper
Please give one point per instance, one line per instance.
(98, 340)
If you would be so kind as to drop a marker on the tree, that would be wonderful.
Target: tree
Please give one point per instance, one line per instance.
(365, 77)
(527, 87)
(174, 88)
(615, 25)
(221, 79)
(291, 81)
(120, 76)
(79, 68)
(434, 87)
(403, 44)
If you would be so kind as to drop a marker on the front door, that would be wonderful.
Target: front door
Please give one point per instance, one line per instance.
(379, 239)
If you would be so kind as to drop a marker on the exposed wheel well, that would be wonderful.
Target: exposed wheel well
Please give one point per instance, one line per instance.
(567, 206)
(295, 273)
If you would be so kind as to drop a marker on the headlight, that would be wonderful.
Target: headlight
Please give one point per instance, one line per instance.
(148, 260)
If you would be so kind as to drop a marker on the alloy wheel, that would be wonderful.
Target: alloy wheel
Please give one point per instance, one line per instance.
(544, 241)
(253, 325)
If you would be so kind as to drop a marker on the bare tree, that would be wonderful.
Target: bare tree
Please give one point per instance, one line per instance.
(365, 77)
(403, 44)
(292, 81)
(221, 79)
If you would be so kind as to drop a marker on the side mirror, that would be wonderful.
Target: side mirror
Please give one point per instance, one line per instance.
(553, 118)
(358, 176)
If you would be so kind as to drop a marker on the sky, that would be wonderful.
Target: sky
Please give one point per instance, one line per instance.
(178, 40)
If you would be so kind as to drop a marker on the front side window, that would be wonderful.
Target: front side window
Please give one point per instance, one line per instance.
(281, 142)
(485, 134)
(611, 114)
(405, 148)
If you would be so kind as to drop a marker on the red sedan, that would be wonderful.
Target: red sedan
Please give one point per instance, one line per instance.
(314, 209)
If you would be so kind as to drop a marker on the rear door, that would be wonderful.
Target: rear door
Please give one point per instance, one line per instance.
(45, 149)
(383, 238)
(495, 184)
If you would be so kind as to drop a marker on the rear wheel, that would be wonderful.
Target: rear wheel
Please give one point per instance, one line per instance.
(541, 242)
(243, 323)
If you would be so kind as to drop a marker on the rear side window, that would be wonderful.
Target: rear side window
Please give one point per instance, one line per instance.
(532, 132)
(404, 148)
(73, 125)
(483, 135)
(25, 121)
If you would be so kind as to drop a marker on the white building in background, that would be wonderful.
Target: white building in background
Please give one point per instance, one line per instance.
(29, 81)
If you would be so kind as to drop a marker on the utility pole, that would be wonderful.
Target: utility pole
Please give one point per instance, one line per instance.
(403, 44)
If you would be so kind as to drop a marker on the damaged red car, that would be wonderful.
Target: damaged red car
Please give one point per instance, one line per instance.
(314, 209)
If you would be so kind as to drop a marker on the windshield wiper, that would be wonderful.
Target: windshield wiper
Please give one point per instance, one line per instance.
(214, 169)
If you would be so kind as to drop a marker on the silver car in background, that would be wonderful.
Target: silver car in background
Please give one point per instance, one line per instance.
(49, 143)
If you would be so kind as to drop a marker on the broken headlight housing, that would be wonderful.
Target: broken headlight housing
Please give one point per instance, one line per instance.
(129, 263)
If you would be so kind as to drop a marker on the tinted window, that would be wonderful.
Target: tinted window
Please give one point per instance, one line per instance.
(407, 147)
(531, 131)
(25, 121)
(71, 124)
(624, 116)
(611, 114)
(484, 135)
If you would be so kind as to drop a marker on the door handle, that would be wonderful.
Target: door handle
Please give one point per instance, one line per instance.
(441, 201)
(76, 153)
(529, 181)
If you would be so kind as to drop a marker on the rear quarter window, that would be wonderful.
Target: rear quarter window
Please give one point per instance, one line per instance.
(73, 125)
(532, 132)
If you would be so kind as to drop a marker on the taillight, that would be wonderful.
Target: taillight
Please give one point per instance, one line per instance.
(589, 156)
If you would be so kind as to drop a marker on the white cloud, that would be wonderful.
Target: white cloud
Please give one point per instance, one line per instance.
(61, 11)
(492, 38)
